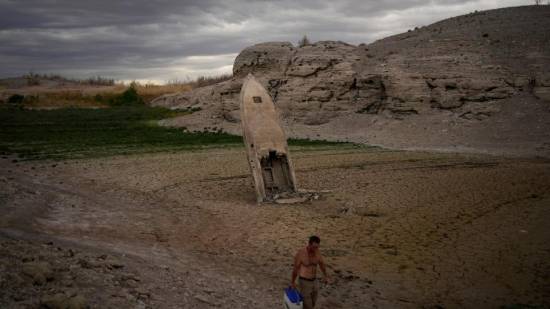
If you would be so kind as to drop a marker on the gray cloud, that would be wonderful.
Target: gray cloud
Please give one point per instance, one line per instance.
(164, 39)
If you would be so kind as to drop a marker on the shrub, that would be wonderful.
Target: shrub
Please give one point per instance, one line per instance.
(129, 97)
(203, 81)
(98, 81)
(304, 42)
(16, 99)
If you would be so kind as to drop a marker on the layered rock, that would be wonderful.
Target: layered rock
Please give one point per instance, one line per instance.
(465, 69)
(309, 84)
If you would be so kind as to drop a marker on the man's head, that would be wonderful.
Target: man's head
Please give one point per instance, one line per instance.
(313, 244)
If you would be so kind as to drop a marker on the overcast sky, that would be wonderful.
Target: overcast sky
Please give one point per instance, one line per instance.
(162, 40)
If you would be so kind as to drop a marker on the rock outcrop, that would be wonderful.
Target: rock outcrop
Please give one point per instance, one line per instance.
(448, 84)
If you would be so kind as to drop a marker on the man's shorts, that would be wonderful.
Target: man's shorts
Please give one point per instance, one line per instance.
(309, 290)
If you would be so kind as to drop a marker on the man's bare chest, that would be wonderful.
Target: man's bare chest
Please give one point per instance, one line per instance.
(309, 260)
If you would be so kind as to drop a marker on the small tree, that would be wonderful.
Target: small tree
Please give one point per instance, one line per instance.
(304, 41)
(129, 97)
(16, 99)
(537, 2)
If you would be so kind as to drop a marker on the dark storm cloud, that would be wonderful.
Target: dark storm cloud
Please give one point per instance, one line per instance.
(162, 40)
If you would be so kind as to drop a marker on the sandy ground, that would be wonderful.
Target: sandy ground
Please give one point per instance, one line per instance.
(182, 230)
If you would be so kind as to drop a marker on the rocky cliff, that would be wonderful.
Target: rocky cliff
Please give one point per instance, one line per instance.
(478, 82)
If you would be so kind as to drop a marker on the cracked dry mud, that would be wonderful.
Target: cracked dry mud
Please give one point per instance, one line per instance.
(398, 229)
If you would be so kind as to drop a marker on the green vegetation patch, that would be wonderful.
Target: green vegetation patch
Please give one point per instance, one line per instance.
(78, 133)
(72, 133)
(315, 143)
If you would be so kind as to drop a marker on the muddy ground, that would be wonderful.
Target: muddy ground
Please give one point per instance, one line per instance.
(182, 230)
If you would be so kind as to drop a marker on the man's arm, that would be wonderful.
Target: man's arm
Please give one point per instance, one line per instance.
(295, 269)
(323, 269)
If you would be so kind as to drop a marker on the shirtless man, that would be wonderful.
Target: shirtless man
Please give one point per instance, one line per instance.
(305, 266)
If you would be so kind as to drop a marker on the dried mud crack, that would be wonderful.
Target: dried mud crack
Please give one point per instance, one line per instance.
(399, 229)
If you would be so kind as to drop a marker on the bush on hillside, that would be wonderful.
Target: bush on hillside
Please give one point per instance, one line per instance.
(203, 81)
(304, 41)
(129, 97)
(16, 99)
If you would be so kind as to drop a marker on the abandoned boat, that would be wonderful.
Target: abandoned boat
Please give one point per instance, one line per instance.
(265, 142)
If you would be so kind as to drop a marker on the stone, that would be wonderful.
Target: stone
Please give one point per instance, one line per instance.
(270, 57)
(207, 300)
(63, 301)
(39, 272)
(115, 264)
(292, 200)
(88, 263)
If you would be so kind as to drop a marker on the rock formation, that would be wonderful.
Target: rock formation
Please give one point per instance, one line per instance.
(477, 82)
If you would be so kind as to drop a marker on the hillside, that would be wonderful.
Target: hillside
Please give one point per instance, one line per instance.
(474, 83)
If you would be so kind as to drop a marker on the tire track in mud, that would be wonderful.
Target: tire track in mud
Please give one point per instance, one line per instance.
(165, 248)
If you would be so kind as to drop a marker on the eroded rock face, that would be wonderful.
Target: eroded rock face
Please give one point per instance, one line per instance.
(435, 67)
(310, 84)
(270, 58)
(464, 68)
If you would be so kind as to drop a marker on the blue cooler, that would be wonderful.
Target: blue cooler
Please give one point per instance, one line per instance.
(293, 299)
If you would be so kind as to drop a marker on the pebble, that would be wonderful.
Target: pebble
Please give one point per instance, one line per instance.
(205, 299)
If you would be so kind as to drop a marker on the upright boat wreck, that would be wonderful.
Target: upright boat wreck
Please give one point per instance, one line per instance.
(265, 142)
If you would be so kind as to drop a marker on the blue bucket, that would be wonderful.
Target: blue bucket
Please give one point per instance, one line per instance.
(292, 298)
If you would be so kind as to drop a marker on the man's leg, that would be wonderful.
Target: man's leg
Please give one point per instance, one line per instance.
(306, 289)
(314, 293)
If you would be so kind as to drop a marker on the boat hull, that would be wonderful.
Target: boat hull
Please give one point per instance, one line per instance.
(265, 143)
